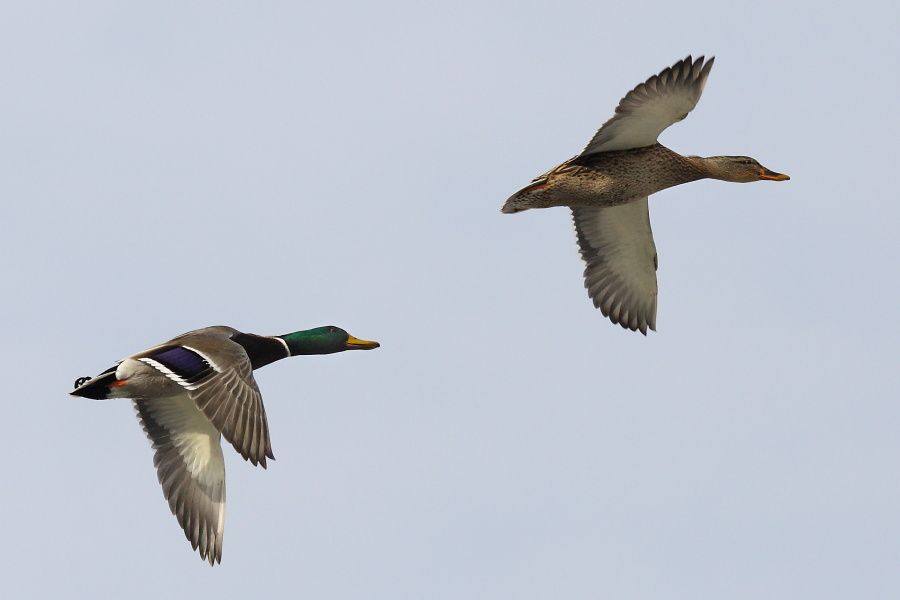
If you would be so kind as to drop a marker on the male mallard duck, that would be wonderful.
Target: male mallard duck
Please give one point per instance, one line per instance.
(194, 388)
(607, 186)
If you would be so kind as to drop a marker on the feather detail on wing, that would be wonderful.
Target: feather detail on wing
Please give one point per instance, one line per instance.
(190, 468)
(653, 106)
(217, 375)
(617, 246)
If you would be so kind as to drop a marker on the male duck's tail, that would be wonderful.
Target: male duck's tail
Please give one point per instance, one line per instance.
(97, 388)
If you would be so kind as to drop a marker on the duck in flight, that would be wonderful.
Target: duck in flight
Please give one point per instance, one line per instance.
(194, 389)
(607, 185)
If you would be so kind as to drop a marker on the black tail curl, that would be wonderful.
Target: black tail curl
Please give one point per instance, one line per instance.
(96, 388)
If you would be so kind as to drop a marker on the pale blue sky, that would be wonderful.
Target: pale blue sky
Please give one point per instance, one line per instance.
(276, 167)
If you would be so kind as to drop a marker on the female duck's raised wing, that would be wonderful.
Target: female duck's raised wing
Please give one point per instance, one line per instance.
(652, 106)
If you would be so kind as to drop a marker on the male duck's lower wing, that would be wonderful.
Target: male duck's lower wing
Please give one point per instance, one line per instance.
(190, 468)
(617, 246)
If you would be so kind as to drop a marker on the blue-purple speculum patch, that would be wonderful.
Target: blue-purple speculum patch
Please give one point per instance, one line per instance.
(185, 363)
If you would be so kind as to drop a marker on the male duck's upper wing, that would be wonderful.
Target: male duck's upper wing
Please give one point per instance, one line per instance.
(218, 377)
(617, 246)
(652, 106)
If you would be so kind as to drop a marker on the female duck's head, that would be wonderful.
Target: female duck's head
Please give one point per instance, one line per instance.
(740, 169)
(324, 340)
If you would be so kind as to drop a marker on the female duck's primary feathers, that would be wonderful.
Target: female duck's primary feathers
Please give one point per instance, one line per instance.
(608, 184)
(195, 388)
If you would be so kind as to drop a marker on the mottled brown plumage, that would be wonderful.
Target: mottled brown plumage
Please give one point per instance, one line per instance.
(608, 184)
(607, 179)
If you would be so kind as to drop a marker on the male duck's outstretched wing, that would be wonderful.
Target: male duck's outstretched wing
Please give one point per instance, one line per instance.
(217, 375)
(652, 106)
(617, 246)
(190, 468)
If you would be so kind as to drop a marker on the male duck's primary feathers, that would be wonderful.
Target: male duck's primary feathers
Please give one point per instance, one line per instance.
(608, 184)
(194, 389)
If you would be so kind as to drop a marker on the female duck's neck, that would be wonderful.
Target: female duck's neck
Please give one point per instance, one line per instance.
(708, 168)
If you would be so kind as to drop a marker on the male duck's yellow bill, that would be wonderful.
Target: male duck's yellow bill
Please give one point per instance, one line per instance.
(772, 175)
(358, 344)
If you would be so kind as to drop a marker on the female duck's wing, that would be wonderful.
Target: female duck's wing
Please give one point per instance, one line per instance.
(617, 246)
(217, 375)
(190, 468)
(652, 106)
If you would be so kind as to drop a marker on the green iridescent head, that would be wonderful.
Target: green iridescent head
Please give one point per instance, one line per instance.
(324, 340)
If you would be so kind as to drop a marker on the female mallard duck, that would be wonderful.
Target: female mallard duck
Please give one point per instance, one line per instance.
(607, 186)
(194, 388)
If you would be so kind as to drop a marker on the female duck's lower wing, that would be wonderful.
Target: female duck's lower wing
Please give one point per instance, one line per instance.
(617, 246)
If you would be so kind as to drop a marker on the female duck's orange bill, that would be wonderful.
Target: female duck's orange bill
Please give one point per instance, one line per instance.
(772, 175)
